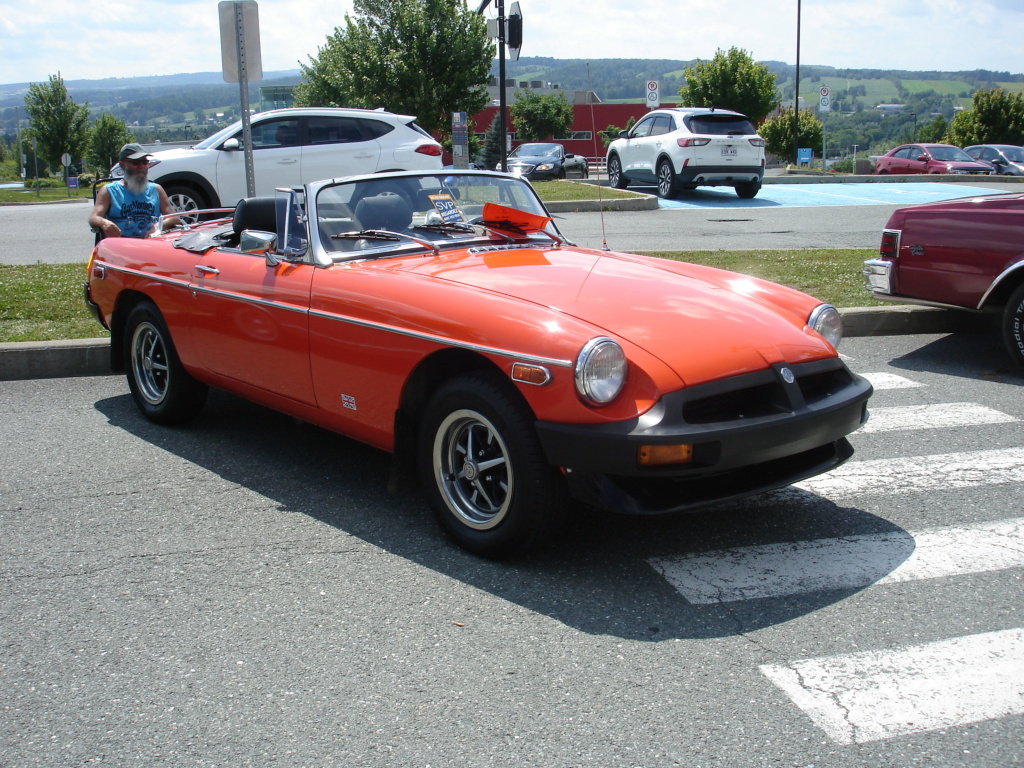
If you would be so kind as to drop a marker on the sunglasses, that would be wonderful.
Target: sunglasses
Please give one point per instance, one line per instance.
(140, 161)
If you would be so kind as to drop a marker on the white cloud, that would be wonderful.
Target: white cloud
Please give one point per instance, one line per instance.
(88, 41)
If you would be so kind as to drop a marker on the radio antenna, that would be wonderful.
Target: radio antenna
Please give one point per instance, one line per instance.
(593, 130)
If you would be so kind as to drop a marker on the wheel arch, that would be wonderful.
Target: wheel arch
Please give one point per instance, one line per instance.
(1005, 284)
(193, 181)
(425, 379)
(126, 301)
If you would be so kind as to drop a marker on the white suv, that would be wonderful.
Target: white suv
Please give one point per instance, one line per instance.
(688, 148)
(290, 147)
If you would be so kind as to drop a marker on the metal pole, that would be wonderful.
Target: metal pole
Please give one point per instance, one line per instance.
(796, 92)
(502, 101)
(243, 87)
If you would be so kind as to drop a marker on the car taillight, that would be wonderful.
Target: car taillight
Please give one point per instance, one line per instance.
(890, 243)
(690, 142)
(433, 150)
(756, 142)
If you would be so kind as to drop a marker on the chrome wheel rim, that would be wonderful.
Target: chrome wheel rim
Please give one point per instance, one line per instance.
(149, 363)
(473, 470)
(186, 206)
(614, 171)
(664, 179)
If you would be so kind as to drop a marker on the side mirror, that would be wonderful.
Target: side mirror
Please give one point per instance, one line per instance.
(569, 155)
(922, 158)
(258, 243)
(623, 134)
(231, 145)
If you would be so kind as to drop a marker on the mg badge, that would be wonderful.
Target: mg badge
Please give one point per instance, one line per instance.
(787, 375)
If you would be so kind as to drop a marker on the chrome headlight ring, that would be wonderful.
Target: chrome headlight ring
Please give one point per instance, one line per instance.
(827, 322)
(600, 371)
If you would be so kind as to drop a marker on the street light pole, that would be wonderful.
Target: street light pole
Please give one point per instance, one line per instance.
(796, 92)
(501, 77)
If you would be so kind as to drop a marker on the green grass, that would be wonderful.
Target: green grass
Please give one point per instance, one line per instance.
(43, 302)
(551, 191)
(46, 195)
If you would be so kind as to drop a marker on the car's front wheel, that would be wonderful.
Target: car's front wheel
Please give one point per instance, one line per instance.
(1013, 326)
(615, 176)
(483, 469)
(668, 186)
(186, 201)
(163, 390)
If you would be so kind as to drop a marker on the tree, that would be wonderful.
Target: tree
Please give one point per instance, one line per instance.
(934, 132)
(777, 132)
(58, 124)
(426, 58)
(995, 117)
(106, 138)
(731, 80)
(611, 133)
(490, 154)
(540, 116)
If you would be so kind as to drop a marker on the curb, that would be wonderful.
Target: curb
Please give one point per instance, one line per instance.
(91, 357)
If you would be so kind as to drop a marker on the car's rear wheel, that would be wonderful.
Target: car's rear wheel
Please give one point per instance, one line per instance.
(748, 189)
(483, 469)
(186, 201)
(163, 390)
(668, 186)
(1013, 326)
(615, 176)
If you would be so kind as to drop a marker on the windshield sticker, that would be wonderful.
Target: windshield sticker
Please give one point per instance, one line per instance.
(446, 207)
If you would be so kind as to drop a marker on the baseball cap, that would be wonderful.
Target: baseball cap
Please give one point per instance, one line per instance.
(132, 152)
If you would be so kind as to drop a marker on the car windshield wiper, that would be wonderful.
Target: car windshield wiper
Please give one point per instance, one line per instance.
(447, 228)
(383, 234)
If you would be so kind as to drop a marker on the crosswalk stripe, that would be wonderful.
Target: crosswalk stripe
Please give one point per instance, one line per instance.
(850, 562)
(937, 416)
(968, 469)
(883, 381)
(872, 695)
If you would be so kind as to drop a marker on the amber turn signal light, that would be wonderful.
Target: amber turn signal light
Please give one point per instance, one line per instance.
(660, 455)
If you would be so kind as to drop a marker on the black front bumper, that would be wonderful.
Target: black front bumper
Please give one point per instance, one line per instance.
(749, 433)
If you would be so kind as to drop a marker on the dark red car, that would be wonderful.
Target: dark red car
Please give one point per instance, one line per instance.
(965, 254)
(930, 158)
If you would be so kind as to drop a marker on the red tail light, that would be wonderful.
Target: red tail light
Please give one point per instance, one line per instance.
(690, 142)
(890, 243)
(756, 142)
(433, 150)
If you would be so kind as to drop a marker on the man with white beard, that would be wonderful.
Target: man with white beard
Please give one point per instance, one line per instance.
(129, 207)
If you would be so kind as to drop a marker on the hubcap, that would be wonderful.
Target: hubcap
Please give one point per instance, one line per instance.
(149, 363)
(472, 469)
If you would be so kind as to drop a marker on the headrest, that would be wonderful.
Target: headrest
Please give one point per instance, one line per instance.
(391, 212)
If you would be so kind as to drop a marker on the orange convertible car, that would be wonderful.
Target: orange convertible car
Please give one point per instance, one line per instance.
(442, 317)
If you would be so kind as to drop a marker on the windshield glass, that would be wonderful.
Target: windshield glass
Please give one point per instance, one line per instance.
(440, 209)
(950, 153)
(219, 136)
(528, 150)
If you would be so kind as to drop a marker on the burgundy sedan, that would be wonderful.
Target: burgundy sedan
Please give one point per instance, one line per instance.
(963, 254)
(930, 158)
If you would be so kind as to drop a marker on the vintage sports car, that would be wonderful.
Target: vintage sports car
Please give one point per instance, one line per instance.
(442, 317)
(964, 254)
(546, 161)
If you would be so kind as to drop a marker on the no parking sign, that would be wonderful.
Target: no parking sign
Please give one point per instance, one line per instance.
(653, 94)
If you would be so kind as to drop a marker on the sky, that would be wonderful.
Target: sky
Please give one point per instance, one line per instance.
(84, 40)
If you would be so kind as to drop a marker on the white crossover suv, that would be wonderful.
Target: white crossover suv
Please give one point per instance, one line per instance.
(292, 147)
(686, 148)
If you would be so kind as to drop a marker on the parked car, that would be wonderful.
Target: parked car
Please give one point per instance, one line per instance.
(964, 254)
(441, 316)
(680, 149)
(291, 146)
(1007, 159)
(545, 161)
(929, 158)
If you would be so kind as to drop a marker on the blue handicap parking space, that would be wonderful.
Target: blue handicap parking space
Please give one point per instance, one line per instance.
(817, 195)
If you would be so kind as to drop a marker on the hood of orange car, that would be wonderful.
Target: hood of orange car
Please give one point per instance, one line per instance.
(703, 323)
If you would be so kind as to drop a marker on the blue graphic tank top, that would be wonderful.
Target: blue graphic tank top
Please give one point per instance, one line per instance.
(134, 214)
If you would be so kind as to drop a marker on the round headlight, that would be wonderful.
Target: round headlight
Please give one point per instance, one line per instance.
(600, 371)
(826, 321)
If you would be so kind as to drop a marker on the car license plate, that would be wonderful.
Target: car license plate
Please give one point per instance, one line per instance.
(728, 151)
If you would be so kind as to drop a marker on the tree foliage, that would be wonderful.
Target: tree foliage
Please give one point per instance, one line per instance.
(731, 80)
(540, 116)
(995, 117)
(777, 132)
(426, 58)
(56, 122)
(106, 138)
(490, 153)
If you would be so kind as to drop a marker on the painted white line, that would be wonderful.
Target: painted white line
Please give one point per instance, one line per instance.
(849, 563)
(914, 474)
(882, 381)
(874, 695)
(939, 416)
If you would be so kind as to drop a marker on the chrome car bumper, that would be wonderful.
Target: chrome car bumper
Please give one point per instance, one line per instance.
(748, 434)
(878, 276)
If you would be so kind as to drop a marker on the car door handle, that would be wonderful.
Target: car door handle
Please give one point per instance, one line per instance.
(204, 270)
(287, 161)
